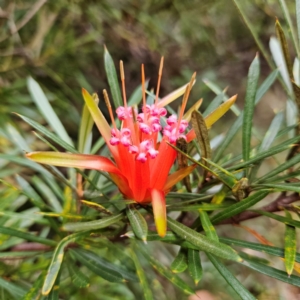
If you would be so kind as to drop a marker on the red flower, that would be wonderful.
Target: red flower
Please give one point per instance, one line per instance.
(141, 157)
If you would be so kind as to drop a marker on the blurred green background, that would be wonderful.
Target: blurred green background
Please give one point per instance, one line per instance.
(60, 44)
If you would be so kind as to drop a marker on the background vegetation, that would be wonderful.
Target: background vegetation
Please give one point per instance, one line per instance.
(60, 44)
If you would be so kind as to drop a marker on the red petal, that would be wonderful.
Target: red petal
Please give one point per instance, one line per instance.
(162, 165)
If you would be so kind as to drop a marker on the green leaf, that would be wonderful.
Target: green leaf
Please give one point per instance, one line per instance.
(78, 278)
(204, 206)
(282, 167)
(228, 178)
(229, 137)
(272, 132)
(173, 278)
(47, 193)
(179, 264)
(274, 150)
(137, 222)
(285, 220)
(16, 291)
(34, 291)
(207, 226)
(26, 236)
(142, 276)
(254, 33)
(30, 192)
(60, 141)
(239, 121)
(266, 85)
(272, 272)
(239, 207)
(46, 109)
(253, 76)
(112, 79)
(93, 225)
(194, 265)
(290, 247)
(284, 187)
(202, 242)
(98, 265)
(57, 260)
(232, 281)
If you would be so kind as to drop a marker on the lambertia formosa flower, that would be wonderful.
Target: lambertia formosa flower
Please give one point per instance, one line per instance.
(141, 155)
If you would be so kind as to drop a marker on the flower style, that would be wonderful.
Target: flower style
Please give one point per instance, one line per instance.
(141, 155)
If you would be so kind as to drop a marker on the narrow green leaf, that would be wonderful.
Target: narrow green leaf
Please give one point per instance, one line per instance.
(204, 206)
(194, 265)
(57, 260)
(282, 167)
(173, 278)
(26, 236)
(103, 267)
(179, 264)
(137, 222)
(254, 33)
(256, 246)
(239, 207)
(142, 276)
(253, 76)
(47, 193)
(204, 243)
(30, 192)
(290, 247)
(207, 226)
(226, 176)
(272, 132)
(112, 79)
(284, 187)
(46, 109)
(93, 225)
(201, 131)
(49, 134)
(267, 83)
(232, 281)
(34, 292)
(229, 137)
(16, 291)
(274, 150)
(272, 272)
(285, 220)
(239, 121)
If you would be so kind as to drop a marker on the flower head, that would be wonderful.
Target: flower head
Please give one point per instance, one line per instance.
(141, 155)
